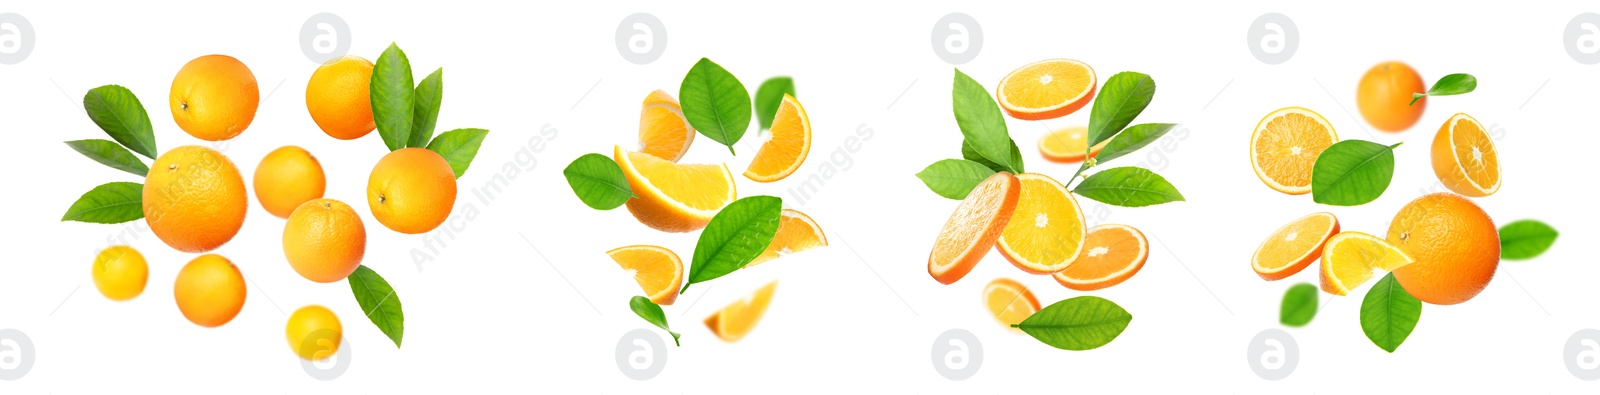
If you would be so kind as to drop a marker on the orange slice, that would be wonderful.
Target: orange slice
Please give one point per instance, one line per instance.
(1352, 258)
(1066, 145)
(1285, 146)
(663, 131)
(735, 321)
(1009, 301)
(975, 226)
(658, 270)
(1294, 246)
(1464, 157)
(790, 141)
(796, 232)
(1111, 254)
(1046, 229)
(674, 197)
(1046, 89)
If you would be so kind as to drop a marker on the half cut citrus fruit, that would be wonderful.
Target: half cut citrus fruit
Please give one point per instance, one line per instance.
(1046, 89)
(1009, 301)
(1464, 157)
(1352, 258)
(975, 226)
(1111, 254)
(1285, 145)
(672, 197)
(1067, 145)
(736, 320)
(663, 131)
(796, 232)
(790, 141)
(1046, 231)
(1293, 247)
(658, 270)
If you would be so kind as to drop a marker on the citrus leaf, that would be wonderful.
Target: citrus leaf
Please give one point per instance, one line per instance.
(1128, 187)
(1299, 305)
(1016, 158)
(734, 237)
(598, 181)
(1352, 173)
(715, 102)
(458, 147)
(1120, 100)
(425, 110)
(982, 126)
(954, 178)
(651, 312)
(1389, 313)
(1526, 239)
(118, 112)
(1132, 139)
(110, 203)
(1080, 323)
(1453, 84)
(110, 154)
(378, 302)
(770, 96)
(393, 97)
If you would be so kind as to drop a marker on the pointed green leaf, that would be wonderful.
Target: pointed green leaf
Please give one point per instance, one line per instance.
(393, 96)
(982, 125)
(954, 178)
(734, 237)
(770, 96)
(1016, 158)
(110, 203)
(1453, 84)
(1132, 139)
(425, 110)
(1120, 100)
(715, 102)
(1299, 305)
(1352, 173)
(1080, 323)
(651, 312)
(1389, 313)
(458, 147)
(598, 182)
(378, 302)
(110, 154)
(118, 112)
(1128, 187)
(1526, 239)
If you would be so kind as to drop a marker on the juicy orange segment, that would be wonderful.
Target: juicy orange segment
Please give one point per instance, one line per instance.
(786, 150)
(1046, 231)
(1111, 254)
(663, 131)
(975, 226)
(658, 270)
(1464, 157)
(1352, 258)
(674, 197)
(796, 232)
(1046, 89)
(1066, 145)
(1285, 146)
(1293, 247)
(735, 321)
(1009, 301)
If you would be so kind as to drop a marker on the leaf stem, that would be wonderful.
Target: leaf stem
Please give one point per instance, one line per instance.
(1415, 97)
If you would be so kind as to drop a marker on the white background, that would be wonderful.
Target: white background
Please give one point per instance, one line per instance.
(493, 313)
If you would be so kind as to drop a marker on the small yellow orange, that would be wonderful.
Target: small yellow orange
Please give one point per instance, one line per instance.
(314, 333)
(120, 273)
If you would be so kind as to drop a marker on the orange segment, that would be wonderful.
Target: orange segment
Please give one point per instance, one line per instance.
(786, 150)
(1352, 258)
(1047, 229)
(1066, 145)
(658, 271)
(975, 226)
(1111, 254)
(1009, 301)
(735, 321)
(796, 232)
(1294, 246)
(1464, 157)
(663, 131)
(674, 197)
(1285, 146)
(1046, 89)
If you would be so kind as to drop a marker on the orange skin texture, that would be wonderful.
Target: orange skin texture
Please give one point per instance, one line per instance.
(194, 199)
(209, 290)
(214, 97)
(339, 100)
(1455, 244)
(411, 190)
(1384, 96)
(324, 240)
(286, 178)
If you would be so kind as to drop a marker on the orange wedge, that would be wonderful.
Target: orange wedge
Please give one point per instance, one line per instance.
(663, 131)
(1352, 258)
(1066, 145)
(1046, 89)
(796, 232)
(1464, 157)
(1285, 146)
(1046, 229)
(1294, 246)
(786, 150)
(1009, 301)
(1111, 254)
(735, 321)
(658, 270)
(674, 197)
(975, 226)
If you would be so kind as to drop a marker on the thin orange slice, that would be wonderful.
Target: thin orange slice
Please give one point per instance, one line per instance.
(674, 197)
(975, 226)
(786, 150)
(1046, 231)
(1285, 146)
(796, 232)
(1352, 258)
(658, 270)
(735, 321)
(1464, 157)
(1293, 247)
(663, 131)
(1067, 145)
(1009, 301)
(1046, 89)
(1111, 254)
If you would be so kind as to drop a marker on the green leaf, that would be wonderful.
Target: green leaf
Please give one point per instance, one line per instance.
(598, 182)
(1121, 99)
(1526, 239)
(1080, 323)
(1128, 187)
(425, 110)
(458, 147)
(110, 203)
(715, 103)
(982, 126)
(1389, 313)
(110, 154)
(1132, 139)
(651, 312)
(1453, 84)
(393, 97)
(1352, 173)
(770, 96)
(118, 112)
(1016, 158)
(1299, 305)
(734, 237)
(954, 178)
(378, 302)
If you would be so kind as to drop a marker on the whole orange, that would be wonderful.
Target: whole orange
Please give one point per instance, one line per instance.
(194, 199)
(324, 240)
(1384, 96)
(1454, 243)
(411, 190)
(214, 97)
(337, 97)
(209, 290)
(287, 177)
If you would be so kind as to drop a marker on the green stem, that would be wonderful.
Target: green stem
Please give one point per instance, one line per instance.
(1415, 97)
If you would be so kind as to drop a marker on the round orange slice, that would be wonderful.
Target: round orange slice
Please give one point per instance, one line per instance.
(1046, 89)
(1111, 254)
(974, 227)
(1009, 301)
(790, 141)
(1352, 258)
(663, 131)
(658, 270)
(1464, 157)
(1067, 145)
(1285, 145)
(796, 232)
(737, 319)
(1293, 247)
(674, 197)
(1046, 229)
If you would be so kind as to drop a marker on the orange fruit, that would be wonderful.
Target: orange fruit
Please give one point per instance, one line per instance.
(790, 141)
(120, 273)
(1293, 247)
(673, 197)
(411, 190)
(287, 177)
(1046, 89)
(1285, 145)
(314, 333)
(1067, 145)
(337, 96)
(735, 321)
(324, 240)
(1351, 258)
(214, 97)
(1464, 157)
(209, 291)
(1456, 245)
(1046, 230)
(1009, 301)
(194, 199)
(796, 233)
(1384, 96)
(657, 270)
(663, 131)
(1111, 254)
(974, 227)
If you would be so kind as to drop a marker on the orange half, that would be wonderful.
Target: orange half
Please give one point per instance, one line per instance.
(1352, 258)
(975, 226)
(658, 270)
(674, 197)
(1285, 145)
(1464, 157)
(1046, 230)
(1046, 89)
(1293, 247)
(1111, 254)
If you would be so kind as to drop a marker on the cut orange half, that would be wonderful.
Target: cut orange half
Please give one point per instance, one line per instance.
(790, 141)
(1294, 246)
(672, 197)
(663, 131)
(735, 321)
(657, 270)
(1285, 146)
(1352, 258)
(975, 226)
(1046, 229)
(1046, 89)
(1111, 254)
(1009, 301)
(1067, 145)
(796, 232)
(1464, 157)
